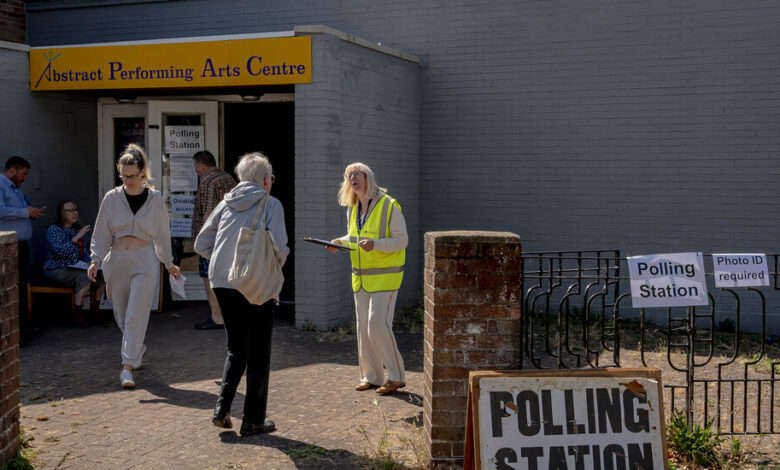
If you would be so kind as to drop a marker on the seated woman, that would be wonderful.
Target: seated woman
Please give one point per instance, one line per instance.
(65, 246)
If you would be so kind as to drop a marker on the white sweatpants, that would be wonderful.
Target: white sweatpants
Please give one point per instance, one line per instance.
(376, 341)
(131, 278)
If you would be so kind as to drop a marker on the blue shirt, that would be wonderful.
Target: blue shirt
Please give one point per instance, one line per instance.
(60, 250)
(14, 216)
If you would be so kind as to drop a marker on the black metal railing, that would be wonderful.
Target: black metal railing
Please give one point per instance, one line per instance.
(719, 361)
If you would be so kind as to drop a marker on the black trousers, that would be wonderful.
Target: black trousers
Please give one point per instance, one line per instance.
(248, 329)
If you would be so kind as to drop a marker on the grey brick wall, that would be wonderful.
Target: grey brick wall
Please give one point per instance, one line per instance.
(642, 126)
(36, 127)
(645, 126)
(361, 106)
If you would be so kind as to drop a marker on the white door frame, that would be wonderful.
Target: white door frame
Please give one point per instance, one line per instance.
(154, 126)
(108, 109)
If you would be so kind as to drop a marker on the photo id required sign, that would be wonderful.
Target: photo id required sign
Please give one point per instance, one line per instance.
(572, 419)
(740, 270)
(667, 280)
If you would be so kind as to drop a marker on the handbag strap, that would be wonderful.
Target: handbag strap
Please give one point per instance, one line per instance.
(261, 205)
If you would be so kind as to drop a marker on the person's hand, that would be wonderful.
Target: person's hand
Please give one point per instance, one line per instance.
(175, 272)
(92, 271)
(34, 212)
(367, 245)
(332, 249)
(82, 232)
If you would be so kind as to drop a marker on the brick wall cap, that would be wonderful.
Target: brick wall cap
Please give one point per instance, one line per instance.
(473, 236)
(7, 237)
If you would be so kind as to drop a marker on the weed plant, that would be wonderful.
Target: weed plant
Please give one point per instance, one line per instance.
(25, 454)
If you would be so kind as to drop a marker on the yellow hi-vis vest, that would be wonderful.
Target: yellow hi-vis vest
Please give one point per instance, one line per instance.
(375, 271)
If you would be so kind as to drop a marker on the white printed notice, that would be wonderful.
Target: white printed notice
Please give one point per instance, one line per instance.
(667, 280)
(183, 176)
(182, 204)
(181, 227)
(183, 139)
(740, 270)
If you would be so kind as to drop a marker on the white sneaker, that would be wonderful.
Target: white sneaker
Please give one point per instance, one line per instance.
(143, 353)
(126, 379)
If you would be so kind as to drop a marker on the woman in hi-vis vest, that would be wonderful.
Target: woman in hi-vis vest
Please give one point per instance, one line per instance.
(378, 239)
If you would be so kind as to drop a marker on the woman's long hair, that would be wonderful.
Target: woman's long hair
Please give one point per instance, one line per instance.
(134, 154)
(347, 196)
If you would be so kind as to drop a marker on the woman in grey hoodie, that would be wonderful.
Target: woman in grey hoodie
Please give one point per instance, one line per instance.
(248, 326)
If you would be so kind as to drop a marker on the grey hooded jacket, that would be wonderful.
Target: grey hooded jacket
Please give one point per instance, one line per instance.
(217, 239)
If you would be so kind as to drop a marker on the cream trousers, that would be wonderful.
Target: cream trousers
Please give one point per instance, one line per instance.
(131, 278)
(376, 342)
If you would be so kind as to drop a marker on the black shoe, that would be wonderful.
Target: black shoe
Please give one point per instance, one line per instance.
(209, 325)
(221, 418)
(249, 429)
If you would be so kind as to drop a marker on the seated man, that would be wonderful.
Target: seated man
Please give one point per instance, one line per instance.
(65, 247)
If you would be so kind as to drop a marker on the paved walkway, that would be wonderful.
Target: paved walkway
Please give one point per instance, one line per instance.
(80, 418)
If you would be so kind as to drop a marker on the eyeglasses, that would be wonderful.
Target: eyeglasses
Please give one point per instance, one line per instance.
(75, 209)
(272, 177)
(130, 177)
(354, 174)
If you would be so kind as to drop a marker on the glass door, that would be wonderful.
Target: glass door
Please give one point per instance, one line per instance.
(176, 130)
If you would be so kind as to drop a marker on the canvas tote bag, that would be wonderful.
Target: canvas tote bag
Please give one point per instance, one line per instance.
(255, 271)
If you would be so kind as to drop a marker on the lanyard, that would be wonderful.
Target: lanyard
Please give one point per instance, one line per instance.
(362, 221)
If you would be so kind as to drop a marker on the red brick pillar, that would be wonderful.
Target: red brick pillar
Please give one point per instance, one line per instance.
(472, 311)
(9, 348)
(12, 24)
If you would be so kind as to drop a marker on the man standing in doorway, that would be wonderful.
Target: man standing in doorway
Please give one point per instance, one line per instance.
(214, 184)
(16, 214)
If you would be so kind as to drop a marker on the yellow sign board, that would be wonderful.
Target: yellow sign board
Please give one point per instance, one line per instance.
(225, 63)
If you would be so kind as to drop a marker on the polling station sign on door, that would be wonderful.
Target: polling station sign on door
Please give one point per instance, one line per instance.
(566, 419)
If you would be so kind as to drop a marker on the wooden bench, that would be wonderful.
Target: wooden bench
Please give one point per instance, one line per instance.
(43, 286)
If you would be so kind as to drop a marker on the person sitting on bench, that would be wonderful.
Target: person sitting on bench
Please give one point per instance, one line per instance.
(65, 248)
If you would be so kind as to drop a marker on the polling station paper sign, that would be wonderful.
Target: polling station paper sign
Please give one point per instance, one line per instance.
(567, 419)
(667, 280)
(740, 270)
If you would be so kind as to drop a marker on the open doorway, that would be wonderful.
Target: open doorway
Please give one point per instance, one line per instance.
(268, 128)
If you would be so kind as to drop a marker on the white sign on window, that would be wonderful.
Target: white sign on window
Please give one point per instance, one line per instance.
(181, 227)
(183, 176)
(182, 204)
(740, 270)
(667, 280)
(183, 139)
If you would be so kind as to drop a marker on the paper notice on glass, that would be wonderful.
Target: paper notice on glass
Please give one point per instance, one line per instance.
(182, 204)
(183, 176)
(181, 227)
(183, 139)
(177, 287)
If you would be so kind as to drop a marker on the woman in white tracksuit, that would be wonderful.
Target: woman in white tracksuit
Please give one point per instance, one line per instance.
(132, 237)
(377, 238)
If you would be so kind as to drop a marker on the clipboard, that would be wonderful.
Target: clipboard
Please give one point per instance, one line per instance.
(317, 241)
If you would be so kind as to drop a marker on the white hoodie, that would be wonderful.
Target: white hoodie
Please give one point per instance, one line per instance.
(217, 238)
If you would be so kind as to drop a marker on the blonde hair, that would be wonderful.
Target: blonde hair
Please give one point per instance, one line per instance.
(253, 167)
(347, 196)
(134, 155)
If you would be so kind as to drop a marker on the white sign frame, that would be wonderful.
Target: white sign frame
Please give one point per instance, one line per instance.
(636, 388)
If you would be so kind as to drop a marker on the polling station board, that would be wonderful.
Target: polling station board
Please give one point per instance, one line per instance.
(566, 419)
